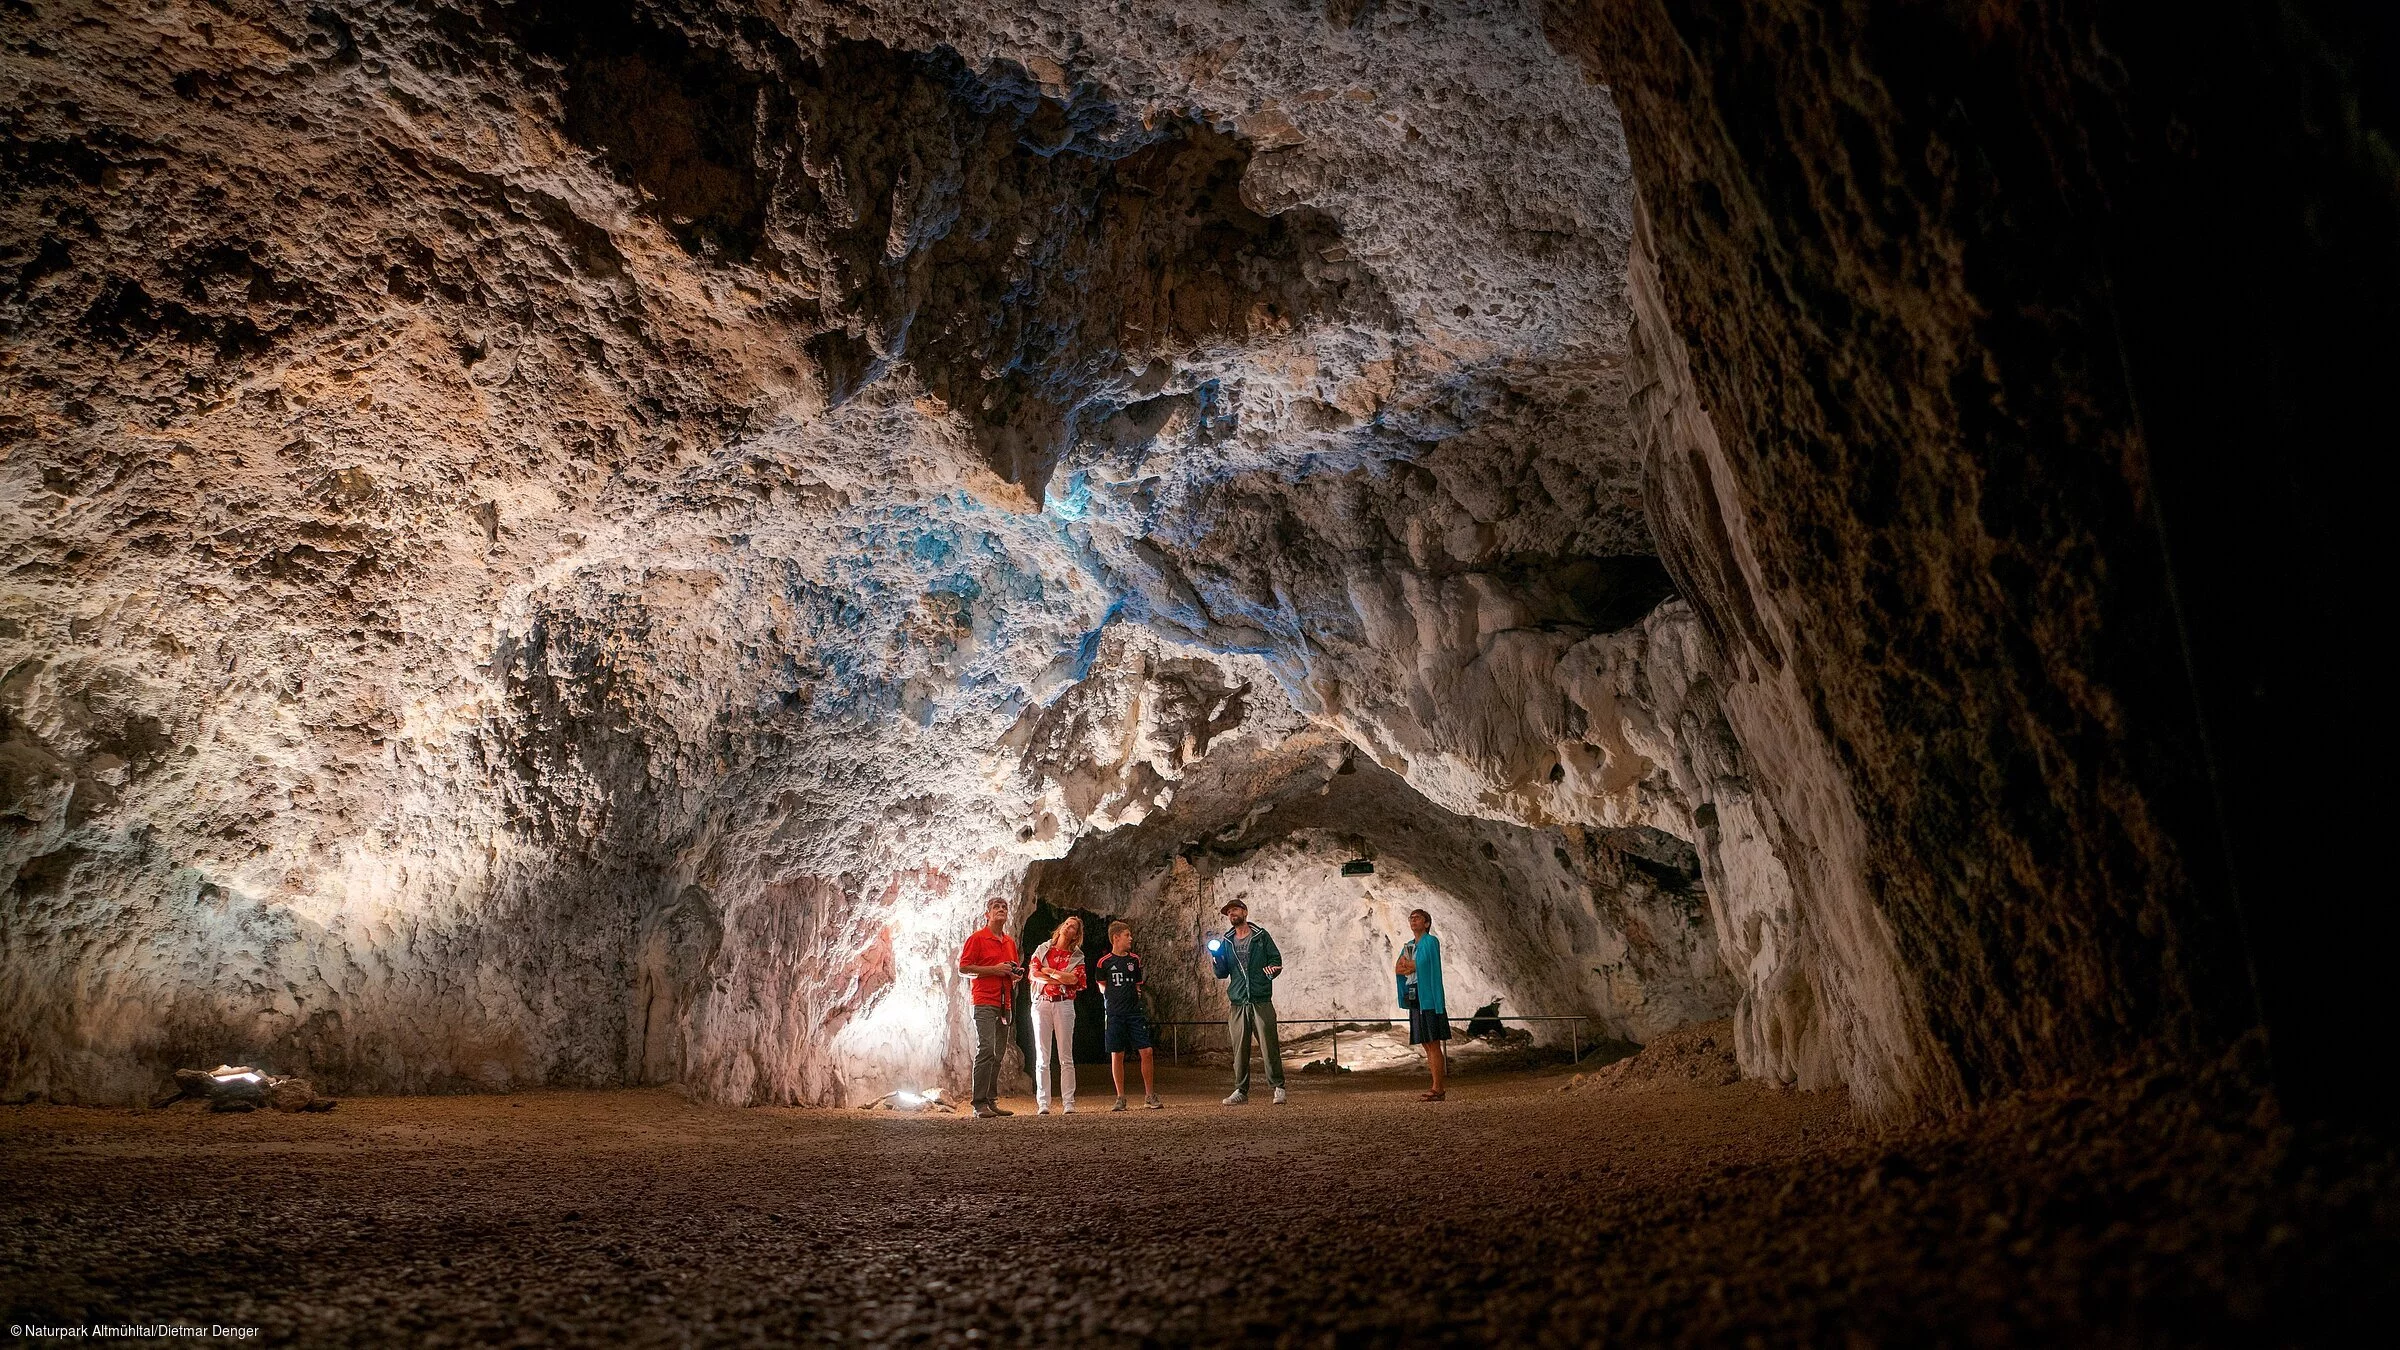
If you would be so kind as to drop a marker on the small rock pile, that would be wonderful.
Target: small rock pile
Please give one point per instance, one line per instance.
(1697, 1054)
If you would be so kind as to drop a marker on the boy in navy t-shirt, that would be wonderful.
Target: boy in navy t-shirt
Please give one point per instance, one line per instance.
(1120, 977)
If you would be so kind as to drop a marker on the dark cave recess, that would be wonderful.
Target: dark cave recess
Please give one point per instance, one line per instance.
(2044, 343)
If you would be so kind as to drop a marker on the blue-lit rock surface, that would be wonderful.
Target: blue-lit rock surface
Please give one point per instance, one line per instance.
(559, 547)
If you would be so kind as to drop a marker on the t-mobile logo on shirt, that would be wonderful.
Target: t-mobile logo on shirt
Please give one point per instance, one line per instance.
(1121, 982)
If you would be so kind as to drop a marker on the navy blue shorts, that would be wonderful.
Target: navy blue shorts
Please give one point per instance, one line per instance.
(1128, 1033)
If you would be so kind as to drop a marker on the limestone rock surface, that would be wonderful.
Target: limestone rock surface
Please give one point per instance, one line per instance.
(1330, 852)
(1948, 452)
(577, 544)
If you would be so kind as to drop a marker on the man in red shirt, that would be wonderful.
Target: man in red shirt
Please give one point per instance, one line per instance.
(991, 957)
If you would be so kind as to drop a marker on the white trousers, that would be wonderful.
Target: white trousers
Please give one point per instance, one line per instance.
(1053, 1028)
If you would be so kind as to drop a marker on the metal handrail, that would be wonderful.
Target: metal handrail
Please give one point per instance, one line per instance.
(1338, 1022)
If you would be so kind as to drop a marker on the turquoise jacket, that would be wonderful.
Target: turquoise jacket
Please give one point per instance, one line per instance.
(1429, 978)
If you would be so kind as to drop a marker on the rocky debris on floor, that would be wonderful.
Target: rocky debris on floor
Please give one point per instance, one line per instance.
(1697, 1055)
(1485, 1025)
(1365, 1047)
(239, 1087)
(1326, 1066)
(1356, 1046)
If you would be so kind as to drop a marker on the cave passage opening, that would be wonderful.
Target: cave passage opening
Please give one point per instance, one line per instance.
(1039, 925)
(1331, 851)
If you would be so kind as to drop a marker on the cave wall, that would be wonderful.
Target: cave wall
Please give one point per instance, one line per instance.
(1563, 925)
(1615, 924)
(1656, 699)
(578, 544)
(543, 543)
(1947, 444)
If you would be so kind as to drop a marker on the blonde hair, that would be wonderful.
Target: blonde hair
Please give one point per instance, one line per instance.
(1062, 927)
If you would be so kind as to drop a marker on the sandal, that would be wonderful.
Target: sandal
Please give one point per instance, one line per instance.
(1433, 1096)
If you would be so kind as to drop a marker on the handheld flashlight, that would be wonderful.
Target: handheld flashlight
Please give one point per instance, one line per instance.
(1216, 944)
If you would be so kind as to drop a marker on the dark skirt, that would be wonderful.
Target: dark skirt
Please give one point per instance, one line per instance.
(1426, 1026)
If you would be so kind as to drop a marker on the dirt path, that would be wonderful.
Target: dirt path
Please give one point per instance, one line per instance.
(1512, 1213)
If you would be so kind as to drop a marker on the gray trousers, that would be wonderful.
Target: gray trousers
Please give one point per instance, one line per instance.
(990, 1035)
(1253, 1021)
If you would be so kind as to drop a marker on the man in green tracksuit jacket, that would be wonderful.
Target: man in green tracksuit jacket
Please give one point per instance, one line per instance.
(1245, 957)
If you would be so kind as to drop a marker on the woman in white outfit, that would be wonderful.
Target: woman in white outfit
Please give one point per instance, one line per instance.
(1058, 976)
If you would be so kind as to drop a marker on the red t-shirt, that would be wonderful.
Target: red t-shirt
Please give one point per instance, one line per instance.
(1064, 962)
(987, 948)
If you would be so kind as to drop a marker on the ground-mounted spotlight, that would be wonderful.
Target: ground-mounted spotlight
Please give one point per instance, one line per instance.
(239, 1087)
(907, 1099)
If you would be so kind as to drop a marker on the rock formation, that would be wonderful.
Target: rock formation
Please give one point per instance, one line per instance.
(1944, 446)
(1331, 851)
(578, 544)
(568, 546)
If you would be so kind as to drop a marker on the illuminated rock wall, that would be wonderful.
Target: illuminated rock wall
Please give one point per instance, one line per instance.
(551, 545)
(579, 543)
(1612, 923)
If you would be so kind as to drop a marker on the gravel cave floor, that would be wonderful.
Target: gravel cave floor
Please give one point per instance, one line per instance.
(2143, 1209)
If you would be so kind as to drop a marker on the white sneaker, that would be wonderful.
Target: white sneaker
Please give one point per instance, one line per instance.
(1237, 1099)
(1041, 1110)
(1279, 1096)
(1067, 1110)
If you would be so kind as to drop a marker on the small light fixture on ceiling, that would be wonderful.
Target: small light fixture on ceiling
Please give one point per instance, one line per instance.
(1358, 867)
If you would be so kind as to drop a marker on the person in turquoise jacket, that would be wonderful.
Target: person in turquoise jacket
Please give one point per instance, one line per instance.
(1418, 974)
